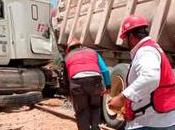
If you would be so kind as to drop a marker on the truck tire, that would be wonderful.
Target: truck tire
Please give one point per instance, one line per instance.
(118, 77)
(49, 91)
(29, 98)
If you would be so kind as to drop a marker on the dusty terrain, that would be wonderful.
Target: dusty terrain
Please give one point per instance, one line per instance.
(25, 118)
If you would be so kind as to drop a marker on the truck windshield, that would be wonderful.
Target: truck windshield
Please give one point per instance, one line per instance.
(1, 9)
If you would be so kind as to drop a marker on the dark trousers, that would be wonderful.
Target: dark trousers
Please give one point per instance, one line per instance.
(85, 94)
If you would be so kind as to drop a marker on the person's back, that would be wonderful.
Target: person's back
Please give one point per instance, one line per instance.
(82, 59)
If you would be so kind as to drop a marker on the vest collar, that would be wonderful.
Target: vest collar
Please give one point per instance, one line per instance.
(134, 50)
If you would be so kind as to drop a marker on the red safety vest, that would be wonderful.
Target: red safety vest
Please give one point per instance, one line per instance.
(83, 59)
(163, 98)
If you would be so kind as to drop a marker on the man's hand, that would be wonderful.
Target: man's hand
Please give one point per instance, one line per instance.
(117, 102)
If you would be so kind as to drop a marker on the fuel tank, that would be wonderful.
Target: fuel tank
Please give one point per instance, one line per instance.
(13, 80)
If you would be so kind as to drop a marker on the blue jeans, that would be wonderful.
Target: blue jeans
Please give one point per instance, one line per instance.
(156, 128)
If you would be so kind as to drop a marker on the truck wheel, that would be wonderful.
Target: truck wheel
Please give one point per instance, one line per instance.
(118, 76)
(49, 92)
(29, 98)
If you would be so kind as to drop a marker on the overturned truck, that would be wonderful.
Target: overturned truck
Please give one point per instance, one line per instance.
(97, 22)
(26, 48)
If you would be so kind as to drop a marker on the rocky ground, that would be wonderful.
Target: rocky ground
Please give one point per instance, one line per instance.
(26, 118)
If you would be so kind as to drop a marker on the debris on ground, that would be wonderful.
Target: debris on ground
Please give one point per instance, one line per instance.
(27, 118)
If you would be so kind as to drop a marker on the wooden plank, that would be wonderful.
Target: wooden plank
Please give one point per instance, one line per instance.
(105, 19)
(64, 23)
(88, 20)
(56, 113)
(159, 18)
(104, 127)
(131, 6)
(77, 13)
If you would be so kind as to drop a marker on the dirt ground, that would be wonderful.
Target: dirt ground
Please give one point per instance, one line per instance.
(24, 118)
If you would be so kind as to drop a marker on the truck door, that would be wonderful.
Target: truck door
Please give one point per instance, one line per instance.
(40, 35)
(29, 23)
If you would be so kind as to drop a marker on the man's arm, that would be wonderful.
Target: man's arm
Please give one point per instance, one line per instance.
(147, 69)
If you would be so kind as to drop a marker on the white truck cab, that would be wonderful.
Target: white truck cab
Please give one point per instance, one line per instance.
(24, 31)
(26, 45)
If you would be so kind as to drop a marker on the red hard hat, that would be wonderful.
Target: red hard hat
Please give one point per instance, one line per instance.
(131, 22)
(73, 41)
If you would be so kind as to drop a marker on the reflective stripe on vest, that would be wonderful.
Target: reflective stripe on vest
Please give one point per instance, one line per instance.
(83, 59)
(163, 98)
